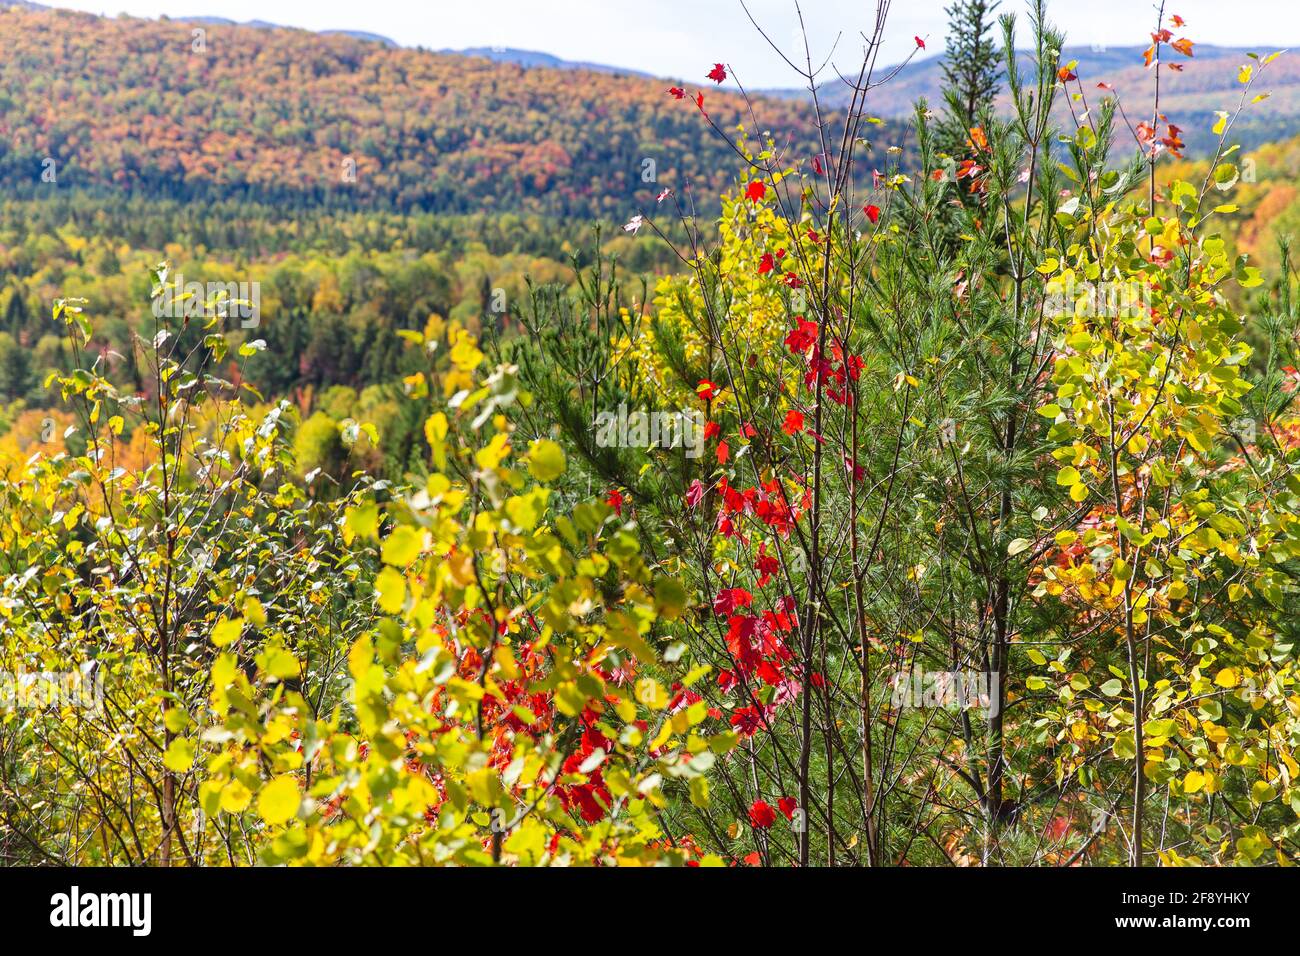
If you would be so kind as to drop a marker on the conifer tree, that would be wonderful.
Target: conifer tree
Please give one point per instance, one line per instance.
(971, 71)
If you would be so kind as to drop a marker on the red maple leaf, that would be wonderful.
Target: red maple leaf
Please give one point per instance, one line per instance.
(699, 101)
(723, 452)
(1177, 21)
(793, 422)
(766, 264)
(920, 44)
(802, 337)
(677, 91)
(788, 806)
(755, 191)
(718, 73)
(761, 814)
(706, 389)
(727, 600)
(615, 501)
(873, 213)
(769, 673)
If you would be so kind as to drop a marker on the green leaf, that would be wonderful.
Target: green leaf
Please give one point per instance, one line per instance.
(670, 597)
(1261, 791)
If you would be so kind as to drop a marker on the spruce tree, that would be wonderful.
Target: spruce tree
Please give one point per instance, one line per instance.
(16, 314)
(971, 72)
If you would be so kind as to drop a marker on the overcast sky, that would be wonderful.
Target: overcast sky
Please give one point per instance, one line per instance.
(684, 37)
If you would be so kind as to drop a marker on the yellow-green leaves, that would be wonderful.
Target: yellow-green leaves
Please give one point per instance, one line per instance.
(526, 511)
(546, 460)
(226, 631)
(277, 661)
(1067, 476)
(390, 586)
(361, 521)
(435, 432)
(1225, 176)
(1261, 791)
(651, 693)
(402, 546)
(235, 797)
(278, 801)
(180, 755)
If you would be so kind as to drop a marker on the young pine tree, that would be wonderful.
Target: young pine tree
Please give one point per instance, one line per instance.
(971, 72)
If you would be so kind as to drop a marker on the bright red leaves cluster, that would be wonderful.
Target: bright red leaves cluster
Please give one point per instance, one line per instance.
(762, 816)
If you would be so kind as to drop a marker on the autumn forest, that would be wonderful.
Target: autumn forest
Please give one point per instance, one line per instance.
(415, 458)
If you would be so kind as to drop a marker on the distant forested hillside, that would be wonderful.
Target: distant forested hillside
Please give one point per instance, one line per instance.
(1190, 93)
(297, 118)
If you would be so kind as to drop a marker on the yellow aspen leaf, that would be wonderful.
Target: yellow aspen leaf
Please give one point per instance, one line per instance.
(278, 801)
(235, 797)
(226, 631)
(1227, 677)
